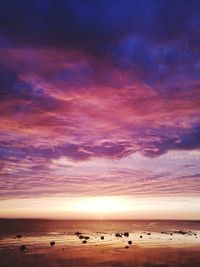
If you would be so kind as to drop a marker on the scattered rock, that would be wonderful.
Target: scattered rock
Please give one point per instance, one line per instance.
(22, 247)
(180, 232)
(77, 233)
(81, 237)
(126, 247)
(84, 241)
(18, 236)
(141, 236)
(130, 242)
(102, 237)
(148, 233)
(183, 232)
(52, 243)
(126, 234)
(87, 237)
(118, 235)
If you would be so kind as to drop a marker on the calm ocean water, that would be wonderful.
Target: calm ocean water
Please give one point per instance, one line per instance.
(45, 227)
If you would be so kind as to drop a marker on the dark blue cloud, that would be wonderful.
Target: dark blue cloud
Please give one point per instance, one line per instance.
(8, 79)
(92, 24)
(185, 139)
(23, 95)
(150, 39)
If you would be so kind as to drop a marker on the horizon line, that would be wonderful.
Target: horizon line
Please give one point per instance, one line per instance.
(59, 219)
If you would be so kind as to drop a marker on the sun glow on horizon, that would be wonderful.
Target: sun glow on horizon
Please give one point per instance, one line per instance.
(96, 207)
(102, 205)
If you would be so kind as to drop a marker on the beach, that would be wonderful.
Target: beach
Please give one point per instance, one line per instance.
(54, 243)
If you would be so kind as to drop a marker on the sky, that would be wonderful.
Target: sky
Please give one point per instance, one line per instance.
(100, 109)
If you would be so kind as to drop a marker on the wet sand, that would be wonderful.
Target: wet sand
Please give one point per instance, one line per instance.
(103, 256)
(161, 247)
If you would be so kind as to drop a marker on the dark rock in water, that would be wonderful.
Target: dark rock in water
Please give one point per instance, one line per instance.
(87, 237)
(130, 242)
(118, 235)
(180, 232)
(81, 237)
(18, 236)
(148, 233)
(52, 243)
(84, 241)
(22, 247)
(102, 237)
(126, 234)
(183, 233)
(166, 233)
(77, 233)
(126, 247)
(141, 236)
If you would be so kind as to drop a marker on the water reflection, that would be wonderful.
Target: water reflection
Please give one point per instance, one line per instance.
(147, 244)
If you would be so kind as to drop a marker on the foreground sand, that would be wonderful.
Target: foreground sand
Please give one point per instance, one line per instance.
(103, 256)
(150, 250)
(36, 243)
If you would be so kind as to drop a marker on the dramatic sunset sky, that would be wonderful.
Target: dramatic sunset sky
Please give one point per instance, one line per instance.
(100, 109)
